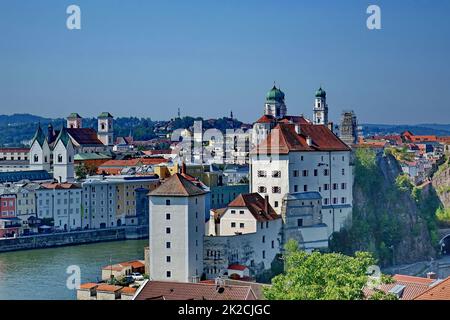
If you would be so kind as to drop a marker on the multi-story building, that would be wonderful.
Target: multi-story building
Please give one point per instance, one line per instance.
(177, 228)
(110, 201)
(9, 223)
(14, 159)
(302, 158)
(26, 205)
(247, 232)
(60, 204)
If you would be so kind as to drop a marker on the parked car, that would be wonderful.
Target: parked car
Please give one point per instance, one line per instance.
(137, 276)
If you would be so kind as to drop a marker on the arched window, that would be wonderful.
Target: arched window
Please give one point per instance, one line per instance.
(103, 126)
(60, 158)
(35, 158)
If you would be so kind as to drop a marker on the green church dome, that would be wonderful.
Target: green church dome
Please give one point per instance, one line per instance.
(275, 94)
(321, 93)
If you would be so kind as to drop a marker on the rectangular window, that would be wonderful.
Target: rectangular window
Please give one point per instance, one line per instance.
(168, 259)
(167, 202)
(295, 188)
(233, 211)
(276, 189)
(233, 224)
(343, 186)
(167, 245)
(299, 222)
(305, 188)
(295, 173)
(326, 187)
(335, 200)
(326, 172)
(275, 204)
(264, 239)
(241, 225)
(264, 254)
(335, 186)
(273, 244)
(305, 173)
(241, 211)
(343, 172)
(316, 172)
(276, 174)
(343, 200)
(168, 274)
(167, 216)
(261, 174)
(167, 230)
(262, 189)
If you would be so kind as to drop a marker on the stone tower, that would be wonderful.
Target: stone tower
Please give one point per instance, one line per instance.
(105, 128)
(349, 128)
(320, 112)
(63, 158)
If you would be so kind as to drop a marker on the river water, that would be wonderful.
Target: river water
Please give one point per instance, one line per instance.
(41, 274)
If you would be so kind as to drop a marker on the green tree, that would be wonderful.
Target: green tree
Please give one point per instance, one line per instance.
(321, 276)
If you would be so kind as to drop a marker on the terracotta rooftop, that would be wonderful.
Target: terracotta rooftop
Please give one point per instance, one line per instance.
(284, 139)
(412, 286)
(162, 290)
(108, 288)
(177, 186)
(237, 267)
(88, 286)
(266, 119)
(440, 291)
(128, 290)
(256, 204)
(54, 185)
(133, 264)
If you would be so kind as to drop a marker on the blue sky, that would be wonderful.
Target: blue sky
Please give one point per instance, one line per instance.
(147, 58)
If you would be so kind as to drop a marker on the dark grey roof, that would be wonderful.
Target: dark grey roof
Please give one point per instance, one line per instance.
(31, 175)
(312, 195)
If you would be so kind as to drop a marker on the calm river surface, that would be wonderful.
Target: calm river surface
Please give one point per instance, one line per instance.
(41, 274)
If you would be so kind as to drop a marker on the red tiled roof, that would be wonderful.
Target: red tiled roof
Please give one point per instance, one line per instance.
(84, 136)
(133, 264)
(165, 290)
(15, 150)
(406, 278)
(177, 186)
(108, 288)
(295, 119)
(414, 286)
(440, 291)
(256, 204)
(89, 285)
(266, 119)
(128, 290)
(237, 267)
(284, 139)
(55, 185)
(133, 162)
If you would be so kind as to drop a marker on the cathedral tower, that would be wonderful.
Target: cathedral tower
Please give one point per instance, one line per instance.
(74, 121)
(105, 128)
(275, 105)
(320, 113)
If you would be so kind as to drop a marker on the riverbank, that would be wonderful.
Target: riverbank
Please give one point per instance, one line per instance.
(73, 238)
(41, 274)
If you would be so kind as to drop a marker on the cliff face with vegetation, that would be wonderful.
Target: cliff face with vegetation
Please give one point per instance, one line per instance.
(441, 183)
(391, 218)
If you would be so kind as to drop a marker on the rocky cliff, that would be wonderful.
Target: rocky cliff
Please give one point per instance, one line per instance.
(391, 218)
(441, 182)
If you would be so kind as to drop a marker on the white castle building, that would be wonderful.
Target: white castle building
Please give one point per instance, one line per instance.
(55, 151)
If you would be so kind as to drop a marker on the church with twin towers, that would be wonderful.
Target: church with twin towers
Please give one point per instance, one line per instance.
(53, 150)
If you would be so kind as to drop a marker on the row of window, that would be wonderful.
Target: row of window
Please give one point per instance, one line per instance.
(296, 173)
(326, 201)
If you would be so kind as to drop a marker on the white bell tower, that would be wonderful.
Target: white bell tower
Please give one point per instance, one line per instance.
(320, 112)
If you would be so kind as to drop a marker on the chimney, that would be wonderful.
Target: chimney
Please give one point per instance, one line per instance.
(298, 128)
(309, 141)
(432, 275)
(266, 204)
(183, 167)
(330, 126)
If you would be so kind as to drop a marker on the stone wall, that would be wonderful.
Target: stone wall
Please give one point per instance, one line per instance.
(72, 238)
